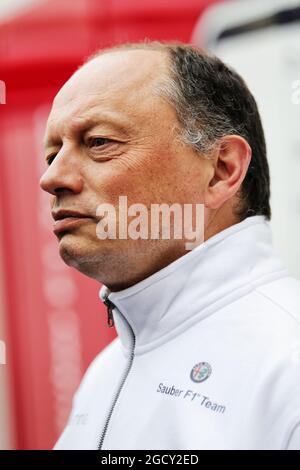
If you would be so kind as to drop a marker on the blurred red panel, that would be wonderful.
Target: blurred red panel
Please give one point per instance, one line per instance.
(55, 320)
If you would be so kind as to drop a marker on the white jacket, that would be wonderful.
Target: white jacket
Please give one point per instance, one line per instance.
(207, 355)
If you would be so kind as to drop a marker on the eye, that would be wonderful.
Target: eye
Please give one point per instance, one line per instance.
(98, 141)
(50, 159)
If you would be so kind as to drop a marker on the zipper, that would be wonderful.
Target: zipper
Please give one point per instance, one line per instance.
(110, 306)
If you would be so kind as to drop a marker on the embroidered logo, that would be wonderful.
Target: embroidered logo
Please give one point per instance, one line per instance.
(200, 372)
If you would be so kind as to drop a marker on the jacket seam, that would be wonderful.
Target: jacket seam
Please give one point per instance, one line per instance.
(278, 305)
(193, 320)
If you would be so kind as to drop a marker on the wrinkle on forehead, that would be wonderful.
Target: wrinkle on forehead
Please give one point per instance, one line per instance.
(81, 111)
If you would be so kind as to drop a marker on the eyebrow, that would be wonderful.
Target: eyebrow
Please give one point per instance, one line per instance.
(84, 124)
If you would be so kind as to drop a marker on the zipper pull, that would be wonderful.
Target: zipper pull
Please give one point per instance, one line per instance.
(110, 306)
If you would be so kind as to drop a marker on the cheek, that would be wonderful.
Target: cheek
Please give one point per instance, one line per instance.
(143, 178)
(139, 182)
(106, 186)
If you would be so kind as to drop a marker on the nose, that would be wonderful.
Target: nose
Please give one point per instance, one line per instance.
(61, 176)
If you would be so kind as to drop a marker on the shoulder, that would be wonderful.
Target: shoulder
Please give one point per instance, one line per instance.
(264, 325)
(282, 300)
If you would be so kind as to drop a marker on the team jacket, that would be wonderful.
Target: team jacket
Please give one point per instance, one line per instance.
(207, 355)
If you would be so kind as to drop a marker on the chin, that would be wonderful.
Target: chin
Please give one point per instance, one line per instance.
(82, 255)
(72, 249)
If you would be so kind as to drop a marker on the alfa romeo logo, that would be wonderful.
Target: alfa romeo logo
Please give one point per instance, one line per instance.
(200, 372)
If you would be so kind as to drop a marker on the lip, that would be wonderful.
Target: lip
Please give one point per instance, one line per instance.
(64, 213)
(67, 223)
(67, 219)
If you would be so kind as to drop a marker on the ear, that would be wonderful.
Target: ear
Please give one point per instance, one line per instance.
(230, 164)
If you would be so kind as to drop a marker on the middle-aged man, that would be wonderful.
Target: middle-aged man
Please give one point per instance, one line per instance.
(208, 348)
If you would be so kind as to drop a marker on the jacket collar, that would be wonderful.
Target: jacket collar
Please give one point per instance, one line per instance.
(226, 266)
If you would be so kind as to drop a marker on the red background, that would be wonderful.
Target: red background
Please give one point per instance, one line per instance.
(56, 324)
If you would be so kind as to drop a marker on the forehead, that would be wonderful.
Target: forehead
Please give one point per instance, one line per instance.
(118, 85)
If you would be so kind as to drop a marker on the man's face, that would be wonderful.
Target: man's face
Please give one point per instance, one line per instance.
(110, 135)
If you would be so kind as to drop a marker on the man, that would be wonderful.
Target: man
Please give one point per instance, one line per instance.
(207, 350)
